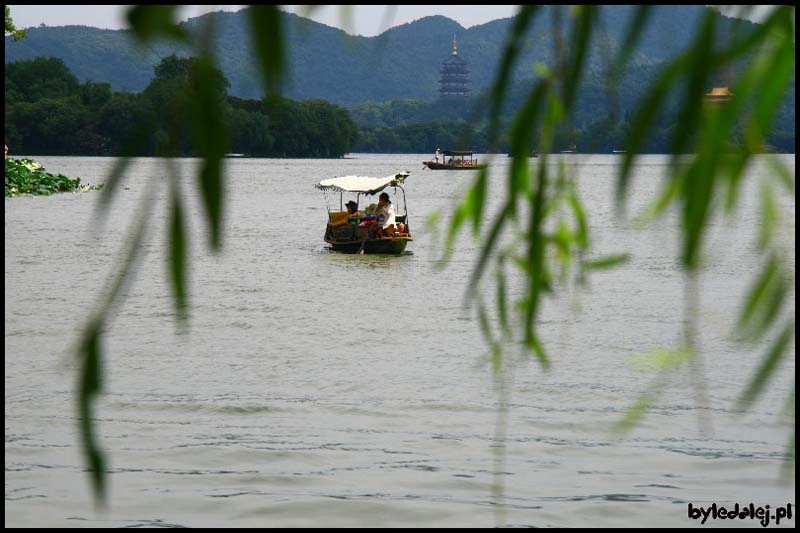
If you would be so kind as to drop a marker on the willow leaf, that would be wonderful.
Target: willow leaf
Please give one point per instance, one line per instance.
(268, 37)
(769, 364)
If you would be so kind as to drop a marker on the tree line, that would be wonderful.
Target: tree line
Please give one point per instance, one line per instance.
(600, 122)
(48, 111)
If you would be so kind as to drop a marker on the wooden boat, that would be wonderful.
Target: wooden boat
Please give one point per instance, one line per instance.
(352, 233)
(458, 161)
(532, 153)
(572, 150)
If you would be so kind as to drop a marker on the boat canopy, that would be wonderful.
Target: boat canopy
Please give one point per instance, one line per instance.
(362, 184)
(458, 152)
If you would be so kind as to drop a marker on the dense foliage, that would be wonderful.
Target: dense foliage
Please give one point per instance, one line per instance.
(408, 125)
(26, 176)
(49, 112)
(12, 30)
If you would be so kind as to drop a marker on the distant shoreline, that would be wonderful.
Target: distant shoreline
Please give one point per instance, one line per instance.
(357, 155)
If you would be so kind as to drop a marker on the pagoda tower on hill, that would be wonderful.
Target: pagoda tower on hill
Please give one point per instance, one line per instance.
(454, 82)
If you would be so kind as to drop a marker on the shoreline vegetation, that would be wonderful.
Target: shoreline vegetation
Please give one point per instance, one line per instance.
(26, 176)
(48, 112)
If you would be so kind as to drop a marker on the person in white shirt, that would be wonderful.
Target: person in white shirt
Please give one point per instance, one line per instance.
(385, 212)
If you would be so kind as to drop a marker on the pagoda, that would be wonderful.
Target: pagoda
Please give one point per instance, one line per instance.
(454, 82)
(718, 95)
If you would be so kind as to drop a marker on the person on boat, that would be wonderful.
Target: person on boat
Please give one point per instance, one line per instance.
(352, 212)
(436, 156)
(385, 212)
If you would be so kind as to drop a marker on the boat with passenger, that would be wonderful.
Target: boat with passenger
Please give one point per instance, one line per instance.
(377, 229)
(454, 160)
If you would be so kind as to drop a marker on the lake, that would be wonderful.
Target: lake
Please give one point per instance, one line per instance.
(318, 389)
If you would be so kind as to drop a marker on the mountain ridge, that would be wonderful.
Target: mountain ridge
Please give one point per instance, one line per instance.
(328, 63)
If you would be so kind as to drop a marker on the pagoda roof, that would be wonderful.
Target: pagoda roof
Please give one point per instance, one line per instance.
(719, 92)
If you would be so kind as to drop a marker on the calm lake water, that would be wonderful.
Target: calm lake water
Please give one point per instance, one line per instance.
(319, 389)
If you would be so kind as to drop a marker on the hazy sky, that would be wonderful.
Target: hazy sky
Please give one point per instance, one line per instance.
(361, 19)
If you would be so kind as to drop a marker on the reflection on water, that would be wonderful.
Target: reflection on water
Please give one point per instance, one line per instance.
(317, 388)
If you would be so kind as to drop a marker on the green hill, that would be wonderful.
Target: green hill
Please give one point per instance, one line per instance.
(329, 64)
(392, 80)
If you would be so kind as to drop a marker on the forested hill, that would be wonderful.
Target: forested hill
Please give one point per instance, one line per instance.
(327, 63)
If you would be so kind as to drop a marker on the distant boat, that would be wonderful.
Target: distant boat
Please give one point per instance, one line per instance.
(573, 150)
(457, 161)
(533, 153)
(234, 155)
(620, 151)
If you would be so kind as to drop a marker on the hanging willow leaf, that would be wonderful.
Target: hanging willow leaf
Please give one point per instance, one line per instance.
(522, 21)
(787, 471)
(698, 189)
(483, 321)
(178, 256)
(489, 243)
(494, 344)
(635, 413)
(632, 36)
(502, 304)
(134, 145)
(524, 127)
(151, 21)
(473, 205)
(698, 68)
(782, 174)
(459, 217)
(768, 366)
(536, 345)
(579, 47)
(267, 34)
(774, 86)
(664, 359)
(606, 262)
(91, 355)
(536, 247)
(769, 216)
(582, 233)
(89, 387)
(478, 200)
(763, 302)
(211, 139)
(644, 121)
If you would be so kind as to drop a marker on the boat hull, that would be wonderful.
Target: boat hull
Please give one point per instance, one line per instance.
(349, 239)
(377, 246)
(444, 166)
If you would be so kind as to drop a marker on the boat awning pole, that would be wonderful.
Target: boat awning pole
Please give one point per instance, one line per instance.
(405, 203)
